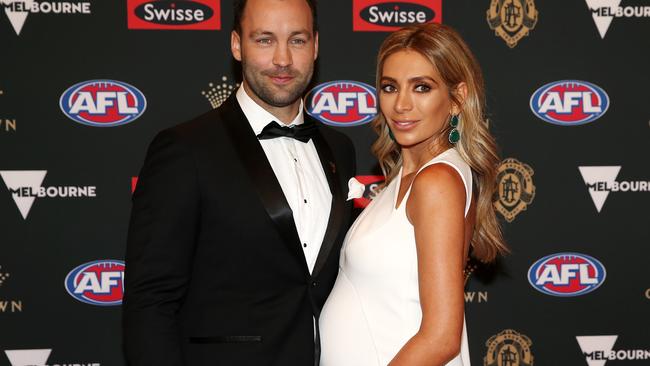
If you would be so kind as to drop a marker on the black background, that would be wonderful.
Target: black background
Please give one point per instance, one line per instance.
(172, 68)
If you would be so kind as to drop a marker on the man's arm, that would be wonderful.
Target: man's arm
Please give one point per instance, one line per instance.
(159, 253)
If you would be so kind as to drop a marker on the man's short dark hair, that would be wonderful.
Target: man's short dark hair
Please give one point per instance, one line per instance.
(239, 6)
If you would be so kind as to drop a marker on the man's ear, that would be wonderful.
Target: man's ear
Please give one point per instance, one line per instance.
(235, 45)
(315, 46)
(461, 93)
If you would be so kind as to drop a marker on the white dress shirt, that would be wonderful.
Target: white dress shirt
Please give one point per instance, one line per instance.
(298, 169)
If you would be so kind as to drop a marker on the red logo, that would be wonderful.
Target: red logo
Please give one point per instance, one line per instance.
(134, 183)
(388, 15)
(103, 103)
(174, 14)
(374, 185)
(342, 103)
(97, 283)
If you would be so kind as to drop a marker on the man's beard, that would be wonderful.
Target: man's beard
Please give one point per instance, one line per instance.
(259, 82)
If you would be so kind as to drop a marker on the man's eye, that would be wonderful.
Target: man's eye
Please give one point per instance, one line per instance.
(387, 88)
(422, 88)
(298, 41)
(264, 41)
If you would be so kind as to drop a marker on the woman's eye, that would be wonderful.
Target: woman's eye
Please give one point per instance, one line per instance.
(422, 88)
(387, 88)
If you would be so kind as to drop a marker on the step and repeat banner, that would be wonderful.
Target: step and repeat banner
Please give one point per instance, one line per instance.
(86, 84)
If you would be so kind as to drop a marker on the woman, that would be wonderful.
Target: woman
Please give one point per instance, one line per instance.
(398, 298)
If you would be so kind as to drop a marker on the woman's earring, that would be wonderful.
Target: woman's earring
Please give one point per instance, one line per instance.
(390, 134)
(454, 134)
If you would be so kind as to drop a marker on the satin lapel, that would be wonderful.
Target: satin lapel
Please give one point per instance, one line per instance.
(261, 175)
(338, 204)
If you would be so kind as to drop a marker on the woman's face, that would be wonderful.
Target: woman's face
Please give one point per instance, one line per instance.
(413, 98)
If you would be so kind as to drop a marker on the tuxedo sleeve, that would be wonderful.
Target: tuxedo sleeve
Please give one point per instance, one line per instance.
(159, 252)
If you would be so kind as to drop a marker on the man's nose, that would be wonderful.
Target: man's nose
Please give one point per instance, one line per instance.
(282, 56)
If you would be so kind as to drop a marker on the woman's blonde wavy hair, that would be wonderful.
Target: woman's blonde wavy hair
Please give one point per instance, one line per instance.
(455, 63)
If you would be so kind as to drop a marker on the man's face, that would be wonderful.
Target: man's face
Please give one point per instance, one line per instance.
(277, 48)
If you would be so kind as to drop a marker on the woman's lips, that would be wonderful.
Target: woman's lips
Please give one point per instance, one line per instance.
(404, 125)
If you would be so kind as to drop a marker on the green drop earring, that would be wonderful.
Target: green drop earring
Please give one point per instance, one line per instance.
(454, 134)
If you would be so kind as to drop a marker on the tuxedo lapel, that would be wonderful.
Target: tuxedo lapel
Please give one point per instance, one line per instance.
(335, 222)
(261, 175)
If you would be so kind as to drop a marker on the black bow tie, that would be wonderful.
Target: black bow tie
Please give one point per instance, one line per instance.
(302, 132)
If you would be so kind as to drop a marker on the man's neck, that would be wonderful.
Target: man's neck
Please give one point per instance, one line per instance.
(286, 114)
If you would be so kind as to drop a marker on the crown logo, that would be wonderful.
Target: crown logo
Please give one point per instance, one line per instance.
(217, 93)
(3, 277)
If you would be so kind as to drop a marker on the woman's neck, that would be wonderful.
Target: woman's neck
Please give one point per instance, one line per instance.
(415, 156)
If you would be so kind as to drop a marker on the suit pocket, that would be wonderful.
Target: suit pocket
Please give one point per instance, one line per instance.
(226, 339)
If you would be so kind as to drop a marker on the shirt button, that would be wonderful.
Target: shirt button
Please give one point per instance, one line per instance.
(305, 200)
(313, 284)
(294, 159)
(304, 245)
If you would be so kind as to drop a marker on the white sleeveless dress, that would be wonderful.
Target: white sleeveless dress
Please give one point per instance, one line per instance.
(374, 307)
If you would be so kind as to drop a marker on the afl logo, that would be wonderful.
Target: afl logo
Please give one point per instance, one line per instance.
(386, 15)
(103, 103)
(566, 274)
(97, 283)
(569, 102)
(342, 103)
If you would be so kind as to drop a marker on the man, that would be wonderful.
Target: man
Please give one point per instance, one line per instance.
(239, 215)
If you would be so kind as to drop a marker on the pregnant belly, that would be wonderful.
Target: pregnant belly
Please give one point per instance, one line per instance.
(345, 336)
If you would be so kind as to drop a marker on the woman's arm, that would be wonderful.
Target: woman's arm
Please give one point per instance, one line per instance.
(436, 210)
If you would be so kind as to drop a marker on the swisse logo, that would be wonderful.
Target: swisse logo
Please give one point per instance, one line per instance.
(566, 274)
(97, 283)
(103, 103)
(342, 103)
(386, 16)
(180, 14)
(569, 102)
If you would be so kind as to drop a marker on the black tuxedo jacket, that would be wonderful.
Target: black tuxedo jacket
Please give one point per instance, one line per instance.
(215, 274)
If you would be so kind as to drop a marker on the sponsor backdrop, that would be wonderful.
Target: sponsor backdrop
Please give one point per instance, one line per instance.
(85, 85)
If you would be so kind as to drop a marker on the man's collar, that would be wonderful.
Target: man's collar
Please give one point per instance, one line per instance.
(259, 117)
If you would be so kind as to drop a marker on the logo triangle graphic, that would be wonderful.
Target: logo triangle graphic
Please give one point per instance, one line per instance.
(603, 22)
(17, 18)
(16, 179)
(590, 344)
(28, 357)
(598, 174)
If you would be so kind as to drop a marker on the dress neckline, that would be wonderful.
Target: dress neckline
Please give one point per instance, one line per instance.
(408, 191)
